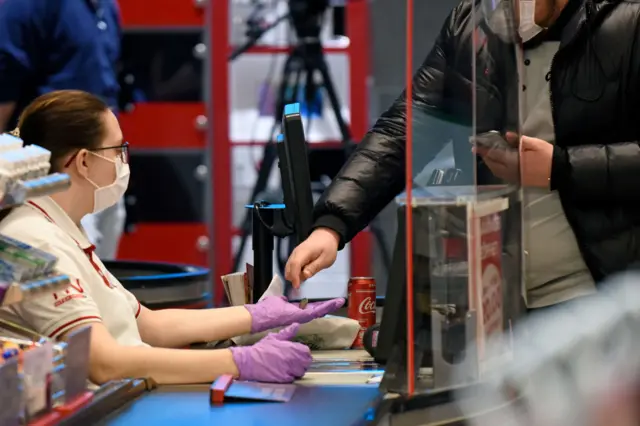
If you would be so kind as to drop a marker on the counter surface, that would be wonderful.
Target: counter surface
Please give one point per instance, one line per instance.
(311, 405)
(334, 392)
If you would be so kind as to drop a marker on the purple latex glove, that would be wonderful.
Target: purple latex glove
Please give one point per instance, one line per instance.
(273, 359)
(276, 311)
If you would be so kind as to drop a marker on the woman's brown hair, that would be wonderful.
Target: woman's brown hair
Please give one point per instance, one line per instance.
(63, 122)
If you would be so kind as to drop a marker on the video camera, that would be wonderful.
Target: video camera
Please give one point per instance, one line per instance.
(305, 16)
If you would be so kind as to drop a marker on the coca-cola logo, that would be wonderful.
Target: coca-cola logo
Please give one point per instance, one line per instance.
(367, 305)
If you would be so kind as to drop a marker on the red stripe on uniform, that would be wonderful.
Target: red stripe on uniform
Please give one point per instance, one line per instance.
(71, 323)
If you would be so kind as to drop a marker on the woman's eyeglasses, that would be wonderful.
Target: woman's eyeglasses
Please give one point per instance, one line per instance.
(123, 154)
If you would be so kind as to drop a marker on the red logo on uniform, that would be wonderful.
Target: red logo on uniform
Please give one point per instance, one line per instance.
(73, 291)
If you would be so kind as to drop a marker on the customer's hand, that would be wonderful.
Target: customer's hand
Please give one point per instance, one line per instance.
(529, 162)
(273, 359)
(274, 311)
(503, 162)
(536, 156)
(316, 253)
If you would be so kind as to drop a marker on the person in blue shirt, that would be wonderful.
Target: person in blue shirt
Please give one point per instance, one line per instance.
(48, 45)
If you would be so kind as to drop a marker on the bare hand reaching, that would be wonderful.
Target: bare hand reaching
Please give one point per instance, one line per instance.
(316, 253)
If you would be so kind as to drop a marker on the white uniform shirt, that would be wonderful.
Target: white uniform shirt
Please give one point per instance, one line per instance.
(94, 295)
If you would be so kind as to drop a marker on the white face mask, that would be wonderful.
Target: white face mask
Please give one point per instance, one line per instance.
(109, 195)
(528, 28)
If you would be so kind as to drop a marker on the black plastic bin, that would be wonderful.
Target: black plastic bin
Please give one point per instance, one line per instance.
(164, 285)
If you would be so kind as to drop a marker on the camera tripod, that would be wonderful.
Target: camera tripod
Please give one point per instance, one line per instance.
(306, 60)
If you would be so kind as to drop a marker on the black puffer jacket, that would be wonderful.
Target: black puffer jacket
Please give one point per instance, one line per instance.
(595, 93)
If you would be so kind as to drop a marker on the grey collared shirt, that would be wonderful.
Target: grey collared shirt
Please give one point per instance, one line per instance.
(555, 269)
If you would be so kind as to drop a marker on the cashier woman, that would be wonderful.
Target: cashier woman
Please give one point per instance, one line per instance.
(579, 150)
(129, 340)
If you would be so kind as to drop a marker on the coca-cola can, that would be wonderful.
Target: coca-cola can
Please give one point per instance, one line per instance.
(362, 304)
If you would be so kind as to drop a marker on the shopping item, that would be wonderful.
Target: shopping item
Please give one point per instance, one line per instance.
(226, 389)
(273, 359)
(362, 305)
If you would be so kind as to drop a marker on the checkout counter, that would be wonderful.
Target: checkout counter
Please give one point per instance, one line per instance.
(463, 289)
(454, 229)
(334, 392)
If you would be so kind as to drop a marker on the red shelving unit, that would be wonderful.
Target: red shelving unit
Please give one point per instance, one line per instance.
(219, 113)
(162, 13)
(165, 130)
(146, 127)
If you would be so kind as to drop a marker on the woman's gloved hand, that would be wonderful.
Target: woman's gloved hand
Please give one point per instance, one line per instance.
(273, 359)
(276, 311)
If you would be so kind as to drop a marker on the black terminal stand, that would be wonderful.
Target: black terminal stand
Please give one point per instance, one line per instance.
(268, 221)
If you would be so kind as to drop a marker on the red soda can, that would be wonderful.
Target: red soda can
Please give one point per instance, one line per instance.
(362, 304)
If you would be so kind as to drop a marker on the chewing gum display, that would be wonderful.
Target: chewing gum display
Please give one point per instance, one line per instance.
(23, 163)
(35, 366)
(9, 142)
(38, 385)
(41, 185)
(20, 166)
(20, 262)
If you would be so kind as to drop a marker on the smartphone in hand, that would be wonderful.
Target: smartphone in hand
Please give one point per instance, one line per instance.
(490, 140)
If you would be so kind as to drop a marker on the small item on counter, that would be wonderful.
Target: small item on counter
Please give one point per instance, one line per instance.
(219, 387)
(303, 303)
(225, 388)
(362, 305)
(235, 288)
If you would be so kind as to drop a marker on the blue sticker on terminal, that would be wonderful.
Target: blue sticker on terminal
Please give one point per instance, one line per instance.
(292, 109)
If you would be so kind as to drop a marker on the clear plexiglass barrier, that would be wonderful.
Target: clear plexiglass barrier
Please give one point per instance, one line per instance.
(464, 226)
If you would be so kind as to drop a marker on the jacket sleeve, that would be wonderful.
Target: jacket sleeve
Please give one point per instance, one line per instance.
(375, 173)
(589, 174)
(598, 173)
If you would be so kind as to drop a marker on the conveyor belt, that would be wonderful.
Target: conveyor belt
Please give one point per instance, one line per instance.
(189, 405)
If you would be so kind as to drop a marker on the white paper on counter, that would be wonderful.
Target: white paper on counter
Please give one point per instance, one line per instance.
(276, 288)
(326, 333)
